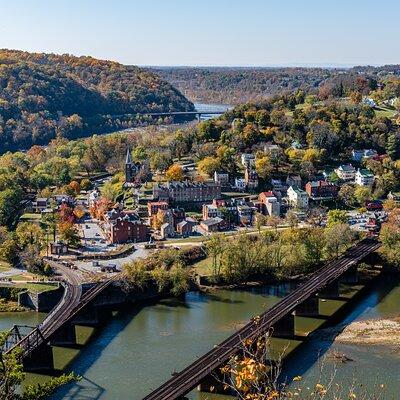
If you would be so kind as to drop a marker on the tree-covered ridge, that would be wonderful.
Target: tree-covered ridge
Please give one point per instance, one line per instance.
(234, 85)
(45, 95)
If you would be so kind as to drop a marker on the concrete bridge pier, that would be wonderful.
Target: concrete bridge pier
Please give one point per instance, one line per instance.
(40, 359)
(308, 308)
(214, 383)
(284, 327)
(65, 336)
(331, 291)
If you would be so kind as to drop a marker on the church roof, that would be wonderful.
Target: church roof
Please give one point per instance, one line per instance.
(128, 156)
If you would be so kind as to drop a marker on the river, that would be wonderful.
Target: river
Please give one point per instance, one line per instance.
(141, 346)
(211, 107)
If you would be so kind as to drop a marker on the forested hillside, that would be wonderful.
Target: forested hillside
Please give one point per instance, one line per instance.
(230, 85)
(45, 95)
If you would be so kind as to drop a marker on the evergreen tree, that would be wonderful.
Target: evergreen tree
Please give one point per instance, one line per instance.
(393, 146)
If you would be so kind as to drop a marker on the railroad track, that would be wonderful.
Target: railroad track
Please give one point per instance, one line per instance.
(186, 380)
(70, 305)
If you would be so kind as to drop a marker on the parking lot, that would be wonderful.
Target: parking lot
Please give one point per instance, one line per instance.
(358, 221)
(92, 236)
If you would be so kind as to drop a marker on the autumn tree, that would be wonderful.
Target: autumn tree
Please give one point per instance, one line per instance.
(68, 233)
(75, 186)
(209, 165)
(263, 167)
(174, 173)
(347, 195)
(336, 217)
(338, 237)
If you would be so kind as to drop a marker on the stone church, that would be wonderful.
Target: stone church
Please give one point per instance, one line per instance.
(132, 169)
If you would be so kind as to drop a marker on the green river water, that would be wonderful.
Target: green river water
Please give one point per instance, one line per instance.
(140, 347)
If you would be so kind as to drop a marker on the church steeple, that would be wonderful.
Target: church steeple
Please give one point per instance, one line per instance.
(128, 160)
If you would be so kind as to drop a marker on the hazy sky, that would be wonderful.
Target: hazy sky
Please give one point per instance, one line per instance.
(208, 32)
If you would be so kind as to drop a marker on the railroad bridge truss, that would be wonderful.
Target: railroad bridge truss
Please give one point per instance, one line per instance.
(94, 306)
(278, 321)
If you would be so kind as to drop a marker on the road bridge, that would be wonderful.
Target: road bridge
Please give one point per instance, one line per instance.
(278, 320)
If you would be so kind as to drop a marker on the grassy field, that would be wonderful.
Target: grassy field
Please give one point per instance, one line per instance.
(31, 217)
(381, 111)
(37, 287)
(4, 266)
(203, 267)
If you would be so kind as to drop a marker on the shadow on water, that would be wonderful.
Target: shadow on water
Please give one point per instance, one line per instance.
(92, 351)
(321, 341)
(102, 337)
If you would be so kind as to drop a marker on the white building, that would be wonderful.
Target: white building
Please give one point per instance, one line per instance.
(346, 172)
(297, 198)
(272, 149)
(271, 202)
(364, 177)
(248, 160)
(93, 196)
(369, 102)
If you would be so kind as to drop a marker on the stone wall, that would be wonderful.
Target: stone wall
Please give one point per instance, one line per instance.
(44, 301)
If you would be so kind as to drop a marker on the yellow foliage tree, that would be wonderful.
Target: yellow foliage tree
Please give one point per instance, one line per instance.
(174, 173)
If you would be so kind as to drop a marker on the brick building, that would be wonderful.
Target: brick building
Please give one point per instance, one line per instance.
(154, 206)
(123, 227)
(271, 204)
(320, 190)
(187, 191)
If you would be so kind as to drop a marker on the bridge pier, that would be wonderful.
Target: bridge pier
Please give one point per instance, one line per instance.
(40, 359)
(284, 327)
(65, 336)
(93, 316)
(350, 276)
(331, 291)
(214, 383)
(308, 308)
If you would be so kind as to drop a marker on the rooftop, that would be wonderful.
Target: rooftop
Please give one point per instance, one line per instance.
(212, 221)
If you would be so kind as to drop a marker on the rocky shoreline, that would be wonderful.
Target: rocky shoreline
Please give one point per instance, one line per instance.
(385, 332)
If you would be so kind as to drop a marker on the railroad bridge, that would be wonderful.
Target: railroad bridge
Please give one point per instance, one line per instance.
(79, 305)
(196, 114)
(278, 321)
(93, 305)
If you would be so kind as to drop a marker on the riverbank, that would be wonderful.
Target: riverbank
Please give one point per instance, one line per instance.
(385, 332)
(10, 306)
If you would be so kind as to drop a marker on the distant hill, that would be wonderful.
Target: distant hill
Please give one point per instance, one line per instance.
(45, 95)
(236, 85)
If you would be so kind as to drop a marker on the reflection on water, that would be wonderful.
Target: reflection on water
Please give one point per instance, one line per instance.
(142, 345)
(30, 318)
(371, 365)
(140, 348)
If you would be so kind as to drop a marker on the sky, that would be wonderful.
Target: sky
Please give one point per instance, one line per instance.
(208, 32)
